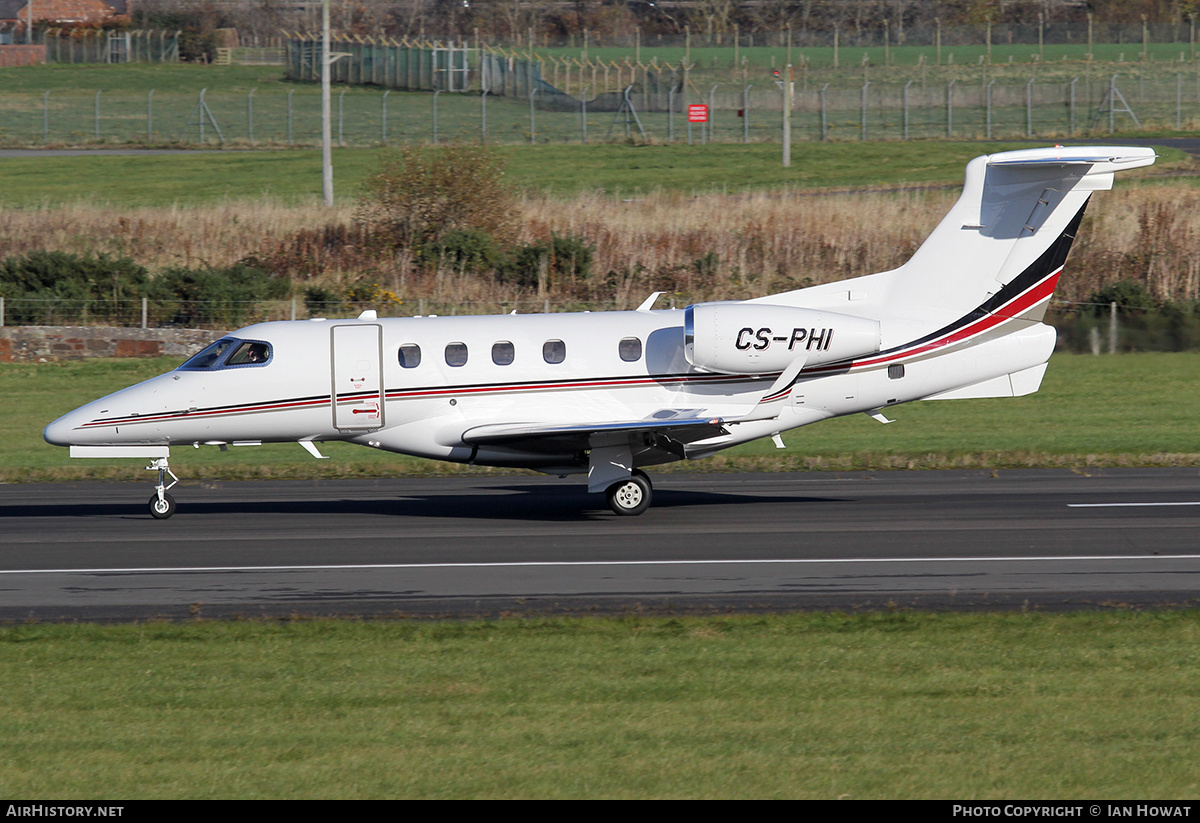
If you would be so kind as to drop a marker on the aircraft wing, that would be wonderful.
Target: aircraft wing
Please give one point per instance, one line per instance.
(669, 428)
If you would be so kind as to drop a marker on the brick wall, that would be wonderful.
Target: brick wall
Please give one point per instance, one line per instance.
(22, 56)
(69, 11)
(40, 344)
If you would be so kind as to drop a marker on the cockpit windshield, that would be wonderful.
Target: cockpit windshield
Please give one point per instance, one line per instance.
(229, 352)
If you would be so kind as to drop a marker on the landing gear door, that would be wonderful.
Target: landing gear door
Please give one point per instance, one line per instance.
(357, 357)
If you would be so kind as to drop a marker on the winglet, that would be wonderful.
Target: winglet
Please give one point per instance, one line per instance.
(650, 301)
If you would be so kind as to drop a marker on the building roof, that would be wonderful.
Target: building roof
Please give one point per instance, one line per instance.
(12, 9)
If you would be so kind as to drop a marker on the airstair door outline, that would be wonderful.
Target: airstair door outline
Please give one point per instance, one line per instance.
(356, 354)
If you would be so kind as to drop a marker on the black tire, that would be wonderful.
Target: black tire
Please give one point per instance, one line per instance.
(630, 497)
(164, 509)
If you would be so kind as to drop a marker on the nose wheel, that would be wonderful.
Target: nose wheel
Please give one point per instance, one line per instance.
(631, 496)
(162, 505)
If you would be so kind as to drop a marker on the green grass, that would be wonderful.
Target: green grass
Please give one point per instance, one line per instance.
(1091, 411)
(892, 705)
(165, 78)
(295, 176)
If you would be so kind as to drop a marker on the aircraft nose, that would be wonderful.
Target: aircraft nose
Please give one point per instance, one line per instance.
(62, 431)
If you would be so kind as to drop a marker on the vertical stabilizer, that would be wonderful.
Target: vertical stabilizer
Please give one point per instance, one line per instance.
(1001, 247)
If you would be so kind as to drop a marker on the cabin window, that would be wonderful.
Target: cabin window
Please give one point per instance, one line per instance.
(896, 371)
(503, 353)
(554, 351)
(456, 354)
(630, 349)
(410, 356)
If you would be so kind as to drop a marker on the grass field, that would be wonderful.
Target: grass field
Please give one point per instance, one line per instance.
(1091, 411)
(833, 706)
(295, 176)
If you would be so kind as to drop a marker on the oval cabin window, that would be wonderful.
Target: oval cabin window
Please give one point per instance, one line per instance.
(456, 354)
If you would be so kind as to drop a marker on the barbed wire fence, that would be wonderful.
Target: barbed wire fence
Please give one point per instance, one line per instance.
(651, 110)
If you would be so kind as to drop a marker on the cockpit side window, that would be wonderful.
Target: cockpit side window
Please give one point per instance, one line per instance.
(209, 356)
(250, 353)
(230, 352)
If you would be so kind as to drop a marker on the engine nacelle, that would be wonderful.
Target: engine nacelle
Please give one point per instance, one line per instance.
(759, 338)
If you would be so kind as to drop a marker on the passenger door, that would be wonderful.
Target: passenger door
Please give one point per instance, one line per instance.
(357, 394)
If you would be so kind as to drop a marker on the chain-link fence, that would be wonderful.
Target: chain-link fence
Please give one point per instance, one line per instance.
(653, 108)
(100, 46)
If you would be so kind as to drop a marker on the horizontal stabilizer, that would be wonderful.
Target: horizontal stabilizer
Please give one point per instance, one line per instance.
(1103, 159)
(1017, 384)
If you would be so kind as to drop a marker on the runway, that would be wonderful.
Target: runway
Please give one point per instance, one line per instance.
(489, 545)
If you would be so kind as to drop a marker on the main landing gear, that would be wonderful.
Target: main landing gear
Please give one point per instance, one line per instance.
(162, 505)
(630, 496)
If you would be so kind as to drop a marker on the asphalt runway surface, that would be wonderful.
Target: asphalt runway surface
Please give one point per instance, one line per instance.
(488, 545)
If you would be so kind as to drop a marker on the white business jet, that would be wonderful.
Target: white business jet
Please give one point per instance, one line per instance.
(609, 393)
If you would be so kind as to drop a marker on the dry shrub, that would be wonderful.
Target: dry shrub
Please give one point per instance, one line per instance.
(422, 193)
(703, 247)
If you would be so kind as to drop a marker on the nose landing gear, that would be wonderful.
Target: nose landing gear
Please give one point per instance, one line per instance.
(162, 505)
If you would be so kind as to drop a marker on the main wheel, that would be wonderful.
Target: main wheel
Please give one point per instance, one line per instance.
(630, 496)
(162, 509)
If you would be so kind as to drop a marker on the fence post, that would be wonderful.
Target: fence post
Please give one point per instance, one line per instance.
(671, 113)
(1029, 107)
(46, 117)
(150, 115)
(950, 109)
(98, 114)
(746, 113)
(341, 140)
(989, 108)
(383, 116)
(712, 113)
(583, 105)
(436, 92)
(483, 117)
(145, 311)
(532, 122)
(1073, 82)
(824, 114)
(1112, 328)
(1178, 102)
(863, 135)
(290, 93)
(906, 85)
(250, 114)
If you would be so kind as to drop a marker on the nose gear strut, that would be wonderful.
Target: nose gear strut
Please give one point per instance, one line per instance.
(162, 505)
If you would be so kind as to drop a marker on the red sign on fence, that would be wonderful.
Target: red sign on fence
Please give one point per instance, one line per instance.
(697, 113)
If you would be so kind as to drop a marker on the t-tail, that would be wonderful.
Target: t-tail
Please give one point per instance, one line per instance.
(1000, 250)
(963, 317)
